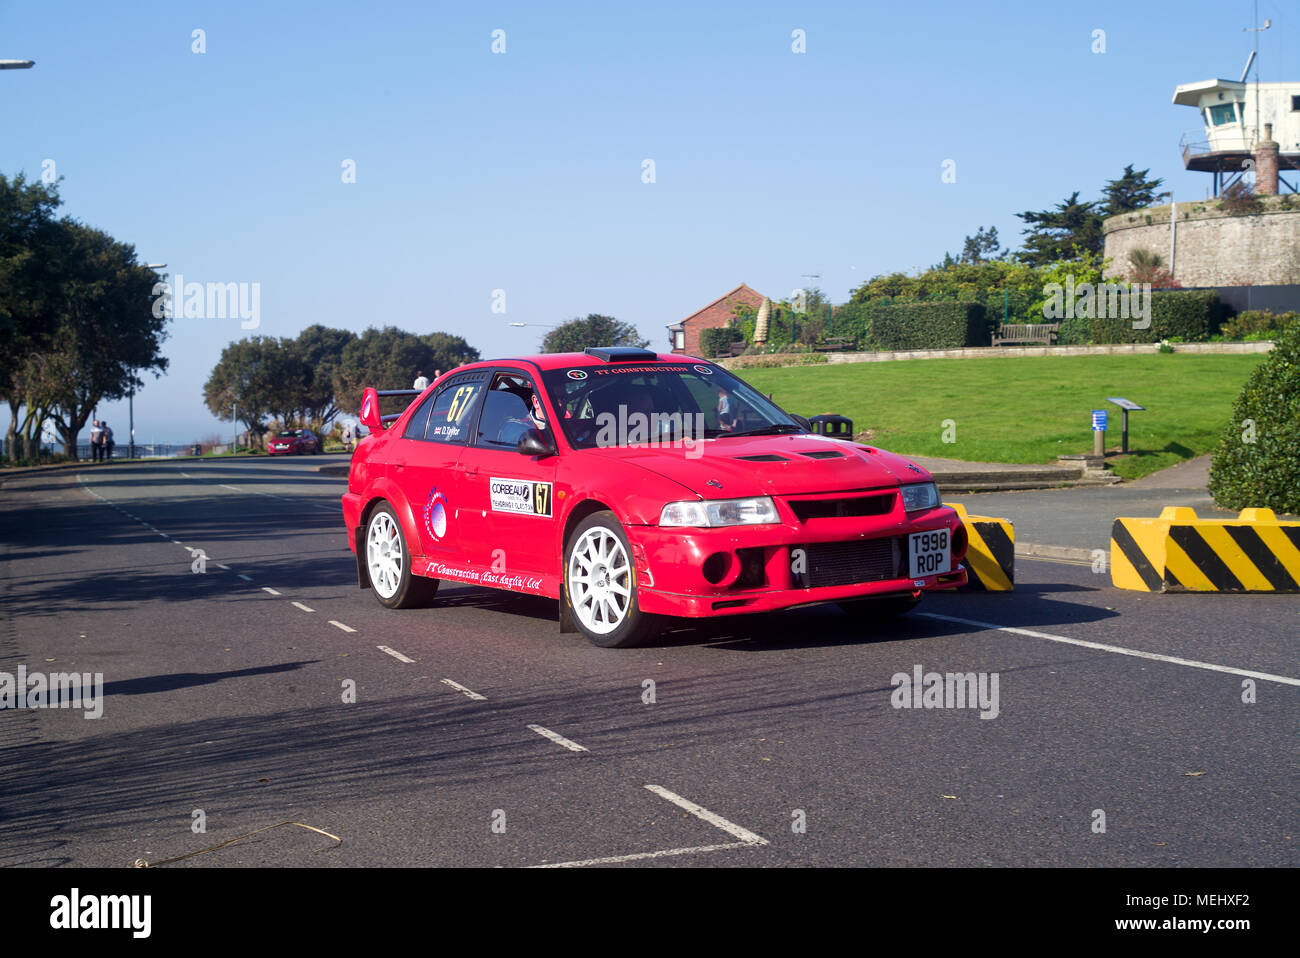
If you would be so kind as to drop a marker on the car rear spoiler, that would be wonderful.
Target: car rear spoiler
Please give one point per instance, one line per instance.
(370, 417)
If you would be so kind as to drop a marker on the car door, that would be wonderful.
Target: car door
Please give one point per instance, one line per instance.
(426, 464)
(510, 514)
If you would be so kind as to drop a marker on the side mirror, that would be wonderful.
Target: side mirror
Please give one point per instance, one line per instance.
(534, 443)
(369, 416)
(807, 426)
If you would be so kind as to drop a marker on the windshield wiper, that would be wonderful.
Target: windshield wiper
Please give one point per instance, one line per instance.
(773, 430)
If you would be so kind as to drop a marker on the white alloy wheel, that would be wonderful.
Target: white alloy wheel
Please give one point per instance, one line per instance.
(385, 555)
(600, 580)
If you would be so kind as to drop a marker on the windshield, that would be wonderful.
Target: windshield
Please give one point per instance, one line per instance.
(621, 404)
(290, 434)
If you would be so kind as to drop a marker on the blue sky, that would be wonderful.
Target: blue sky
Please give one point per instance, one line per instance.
(522, 171)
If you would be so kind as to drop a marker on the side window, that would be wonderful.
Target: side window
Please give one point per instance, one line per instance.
(449, 412)
(416, 424)
(506, 410)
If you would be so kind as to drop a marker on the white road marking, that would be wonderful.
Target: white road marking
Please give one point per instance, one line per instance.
(732, 829)
(225, 568)
(249, 578)
(558, 739)
(305, 608)
(234, 488)
(395, 654)
(460, 688)
(1118, 650)
(265, 588)
(340, 625)
(616, 859)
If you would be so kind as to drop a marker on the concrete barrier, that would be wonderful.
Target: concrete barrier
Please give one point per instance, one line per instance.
(1177, 552)
(991, 557)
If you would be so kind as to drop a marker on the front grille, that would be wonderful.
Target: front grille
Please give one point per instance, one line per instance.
(848, 563)
(877, 505)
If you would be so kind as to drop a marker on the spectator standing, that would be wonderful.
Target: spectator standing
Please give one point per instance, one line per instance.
(421, 381)
(107, 440)
(347, 436)
(96, 442)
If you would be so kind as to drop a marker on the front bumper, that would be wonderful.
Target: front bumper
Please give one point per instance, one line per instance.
(737, 570)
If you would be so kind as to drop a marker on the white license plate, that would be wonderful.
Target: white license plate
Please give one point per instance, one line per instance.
(928, 553)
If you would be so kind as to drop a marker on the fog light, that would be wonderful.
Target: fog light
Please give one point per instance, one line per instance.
(716, 567)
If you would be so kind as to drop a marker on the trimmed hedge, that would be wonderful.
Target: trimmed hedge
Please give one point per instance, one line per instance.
(934, 325)
(1252, 322)
(1257, 461)
(1192, 315)
(716, 342)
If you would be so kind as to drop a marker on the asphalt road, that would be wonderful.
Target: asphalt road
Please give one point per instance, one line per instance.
(224, 694)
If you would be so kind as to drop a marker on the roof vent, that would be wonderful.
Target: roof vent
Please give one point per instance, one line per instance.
(620, 354)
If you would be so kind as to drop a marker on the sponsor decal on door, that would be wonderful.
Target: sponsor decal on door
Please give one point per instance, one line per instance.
(521, 496)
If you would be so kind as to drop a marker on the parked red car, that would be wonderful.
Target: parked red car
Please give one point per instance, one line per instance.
(290, 442)
(633, 486)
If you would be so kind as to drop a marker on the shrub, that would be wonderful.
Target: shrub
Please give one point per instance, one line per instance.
(1191, 315)
(1255, 321)
(717, 342)
(941, 325)
(1257, 461)
(1239, 199)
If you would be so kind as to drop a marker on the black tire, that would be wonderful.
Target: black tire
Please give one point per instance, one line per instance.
(879, 610)
(594, 600)
(410, 591)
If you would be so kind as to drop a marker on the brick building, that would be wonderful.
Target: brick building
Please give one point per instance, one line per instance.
(685, 336)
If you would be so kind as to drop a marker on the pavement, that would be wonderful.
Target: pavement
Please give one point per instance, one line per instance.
(261, 686)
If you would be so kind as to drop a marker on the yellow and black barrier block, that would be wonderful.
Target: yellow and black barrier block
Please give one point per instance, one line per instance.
(990, 561)
(1177, 552)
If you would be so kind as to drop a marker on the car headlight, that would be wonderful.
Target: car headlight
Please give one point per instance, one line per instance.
(720, 512)
(922, 495)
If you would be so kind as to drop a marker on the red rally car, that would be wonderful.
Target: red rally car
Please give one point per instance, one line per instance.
(631, 486)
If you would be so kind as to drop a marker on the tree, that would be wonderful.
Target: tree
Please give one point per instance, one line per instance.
(104, 331)
(28, 295)
(449, 351)
(1132, 191)
(596, 330)
(256, 378)
(320, 350)
(983, 247)
(1069, 230)
(387, 358)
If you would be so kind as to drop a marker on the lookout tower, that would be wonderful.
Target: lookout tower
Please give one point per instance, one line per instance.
(1237, 117)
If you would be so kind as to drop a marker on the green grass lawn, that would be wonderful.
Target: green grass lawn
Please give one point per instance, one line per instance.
(1025, 410)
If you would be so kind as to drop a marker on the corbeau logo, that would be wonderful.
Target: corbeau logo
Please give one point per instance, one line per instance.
(521, 496)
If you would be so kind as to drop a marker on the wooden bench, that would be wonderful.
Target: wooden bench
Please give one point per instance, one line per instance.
(1044, 333)
(837, 344)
